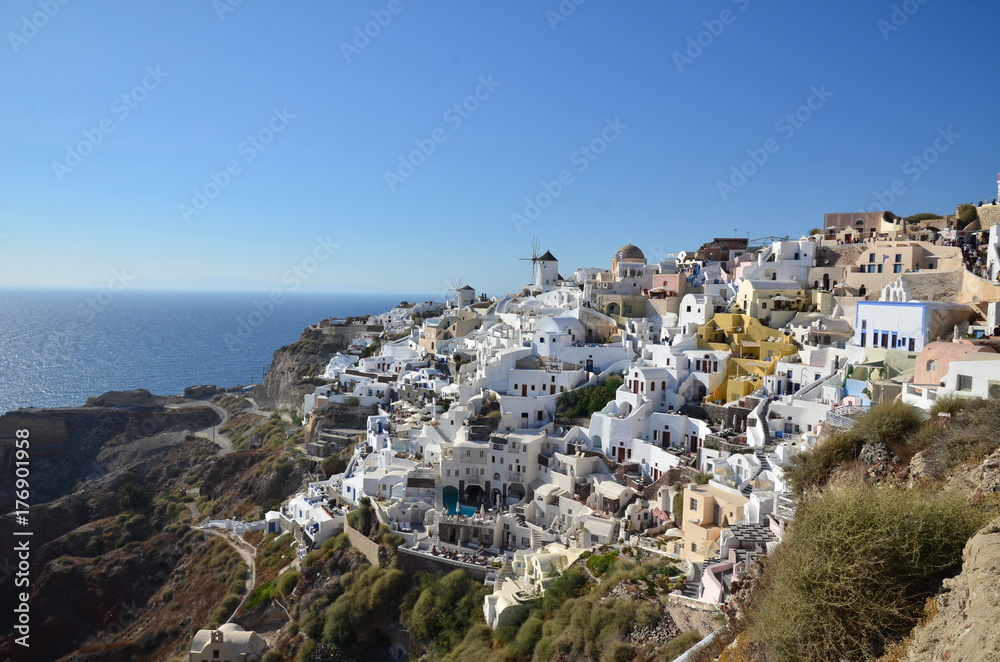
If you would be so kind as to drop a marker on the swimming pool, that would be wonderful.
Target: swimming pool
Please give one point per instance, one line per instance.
(450, 503)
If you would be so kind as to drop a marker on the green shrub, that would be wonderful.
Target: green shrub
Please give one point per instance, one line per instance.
(679, 645)
(286, 583)
(890, 423)
(619, 652)
(599, 564)
(948, 404)
(132, 496)
(967, 213)
(580, 403)
(812, 468)
(261, 595)
(855, 569)
(701, 478)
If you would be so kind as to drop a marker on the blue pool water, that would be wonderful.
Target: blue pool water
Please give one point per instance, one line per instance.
(451, 504)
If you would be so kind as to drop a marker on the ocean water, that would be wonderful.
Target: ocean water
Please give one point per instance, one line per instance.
(59, 347)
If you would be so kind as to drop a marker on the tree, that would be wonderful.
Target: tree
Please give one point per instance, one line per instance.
(132, 496)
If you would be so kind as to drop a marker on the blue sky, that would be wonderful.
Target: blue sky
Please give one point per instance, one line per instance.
(623, 122)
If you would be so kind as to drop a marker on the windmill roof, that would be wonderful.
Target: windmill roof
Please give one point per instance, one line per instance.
(547, 257)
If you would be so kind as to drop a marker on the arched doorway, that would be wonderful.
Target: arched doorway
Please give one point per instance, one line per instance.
(474, 493)
(515, 492)
(614, 309)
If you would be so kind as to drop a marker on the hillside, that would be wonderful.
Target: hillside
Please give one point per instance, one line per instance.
(886, 559)
(116, 568)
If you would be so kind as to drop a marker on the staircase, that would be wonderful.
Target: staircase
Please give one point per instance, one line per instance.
(765, 465)
(438, 491)
(692, 588)
(438, 506)
(536, 539)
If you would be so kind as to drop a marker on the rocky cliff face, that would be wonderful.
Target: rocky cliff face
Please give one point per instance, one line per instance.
(965, 626)
(282, 387)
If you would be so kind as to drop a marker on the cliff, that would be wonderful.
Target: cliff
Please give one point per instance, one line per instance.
(965, 626)
(283, 387)
(117, 571)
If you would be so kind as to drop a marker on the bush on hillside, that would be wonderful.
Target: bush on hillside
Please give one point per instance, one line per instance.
(583, 402)
(893, 424)
(967, 213)
(855, 569)
(916, 218)
(812, 468)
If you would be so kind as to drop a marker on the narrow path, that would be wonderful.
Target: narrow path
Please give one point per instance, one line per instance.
(212, 433)
(245, 554)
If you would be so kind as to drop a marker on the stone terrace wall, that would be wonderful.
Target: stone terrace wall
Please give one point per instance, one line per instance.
(989, 215)
(367, 547)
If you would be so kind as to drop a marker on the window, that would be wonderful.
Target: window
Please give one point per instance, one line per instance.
(871, 257)
(899, 257)
(932, 366)
(964, 383)
(897, 268)
(694, 547)
(693, 505)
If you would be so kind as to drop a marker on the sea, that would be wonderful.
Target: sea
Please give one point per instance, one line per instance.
(58, 347)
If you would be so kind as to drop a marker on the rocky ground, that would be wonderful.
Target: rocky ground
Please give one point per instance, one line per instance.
(964, 629)
(113, 555)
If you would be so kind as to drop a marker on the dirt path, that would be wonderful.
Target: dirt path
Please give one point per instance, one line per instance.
(240, 547)
(212, 433)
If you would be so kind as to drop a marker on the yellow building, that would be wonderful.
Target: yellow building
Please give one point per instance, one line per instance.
(708, 509)
(754, 350)
(455, 324)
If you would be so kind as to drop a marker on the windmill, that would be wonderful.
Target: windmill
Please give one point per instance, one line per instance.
(455, 285)
(532, 271)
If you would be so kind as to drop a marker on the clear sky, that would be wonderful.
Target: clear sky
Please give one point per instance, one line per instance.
(622, 121)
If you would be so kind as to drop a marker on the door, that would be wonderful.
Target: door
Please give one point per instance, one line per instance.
(552, 389)
(524, 390)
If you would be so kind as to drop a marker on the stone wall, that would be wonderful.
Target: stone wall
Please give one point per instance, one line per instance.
(413, 561)
(368, 548)
(989, 215)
